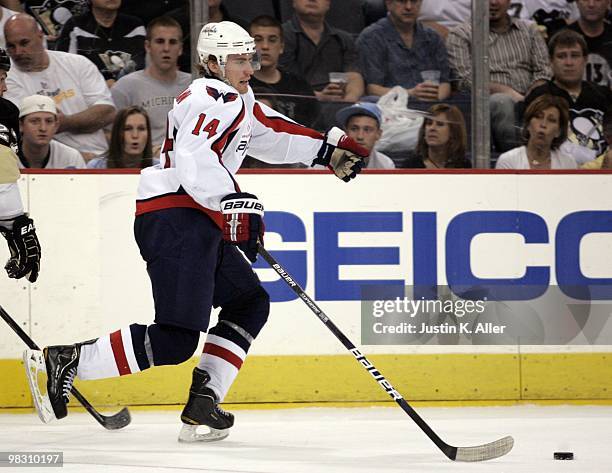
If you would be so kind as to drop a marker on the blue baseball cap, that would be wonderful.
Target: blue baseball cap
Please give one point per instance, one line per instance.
(360, 108)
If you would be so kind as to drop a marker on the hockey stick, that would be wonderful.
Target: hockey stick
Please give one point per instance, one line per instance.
(487, 451)
(114, 422)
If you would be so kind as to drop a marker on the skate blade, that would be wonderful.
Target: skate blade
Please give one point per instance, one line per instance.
(189, 434)
(34, 363)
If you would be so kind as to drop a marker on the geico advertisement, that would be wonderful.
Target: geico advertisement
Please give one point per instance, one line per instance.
(454, 253)
(514, 234)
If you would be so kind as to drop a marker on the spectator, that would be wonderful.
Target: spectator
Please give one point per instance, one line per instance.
(598, 35)
(265, 95)
(130, 142)
(5, 14)
(361, 122)
(553, 15)
(442, 140)
(114, 42)
(84, 102)
(218, 13)
(313, 49)
(155, 88)
(151, 9)
(546, 122)
(604, 161)
(177, 9)
(268, 97)
(397, 49)
(268, 34)
(38, 124)
(588, 101)
(445, 14)
(517, 60)
(53, 15)
(14, 5)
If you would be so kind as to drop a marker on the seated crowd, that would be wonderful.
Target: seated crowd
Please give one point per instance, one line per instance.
(94, 85)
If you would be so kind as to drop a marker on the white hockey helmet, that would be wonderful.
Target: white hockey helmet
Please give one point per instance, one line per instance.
(222, 39)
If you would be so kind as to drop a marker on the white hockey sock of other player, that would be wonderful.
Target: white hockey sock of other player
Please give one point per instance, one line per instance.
(109, 356)
(222, 359)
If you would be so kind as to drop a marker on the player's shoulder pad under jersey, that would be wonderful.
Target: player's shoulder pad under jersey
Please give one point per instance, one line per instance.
(9, 169)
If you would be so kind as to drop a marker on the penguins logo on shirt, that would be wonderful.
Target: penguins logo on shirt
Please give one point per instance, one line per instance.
(118, 63)
(586, 129)
(53, 14)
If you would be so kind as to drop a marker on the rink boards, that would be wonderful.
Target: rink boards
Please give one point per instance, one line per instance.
(333, 237)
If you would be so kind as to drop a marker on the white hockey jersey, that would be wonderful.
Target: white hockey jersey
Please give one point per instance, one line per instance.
(210, 130)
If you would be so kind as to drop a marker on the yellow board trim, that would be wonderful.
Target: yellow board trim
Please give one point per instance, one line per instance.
(452, 379)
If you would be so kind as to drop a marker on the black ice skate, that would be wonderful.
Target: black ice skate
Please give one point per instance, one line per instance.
(202, 408)
(60, 362)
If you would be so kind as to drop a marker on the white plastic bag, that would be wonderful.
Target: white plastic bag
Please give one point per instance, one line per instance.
(400, 128)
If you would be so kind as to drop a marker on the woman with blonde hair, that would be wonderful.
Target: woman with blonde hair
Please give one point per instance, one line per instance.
(442, 140)
(545, 129)
(130, 142)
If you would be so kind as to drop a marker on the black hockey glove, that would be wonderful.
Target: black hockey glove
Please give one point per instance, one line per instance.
(243, 222)
(341, 154)
(25, 249)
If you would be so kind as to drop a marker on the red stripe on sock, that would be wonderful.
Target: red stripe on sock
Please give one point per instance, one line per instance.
(119, 353)
(223, 353)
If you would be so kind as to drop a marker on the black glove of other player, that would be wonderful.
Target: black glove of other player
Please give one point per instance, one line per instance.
(25, 249)
(243, 222)
(341, 154)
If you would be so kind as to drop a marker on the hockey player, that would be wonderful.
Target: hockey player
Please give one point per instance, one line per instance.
(15, 225)
(191, 216)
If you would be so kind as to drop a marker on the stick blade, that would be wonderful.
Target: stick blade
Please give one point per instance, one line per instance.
(116, 421)
(488, 451)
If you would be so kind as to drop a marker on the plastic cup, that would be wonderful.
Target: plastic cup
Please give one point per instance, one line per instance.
(431, 77)
(338, 77)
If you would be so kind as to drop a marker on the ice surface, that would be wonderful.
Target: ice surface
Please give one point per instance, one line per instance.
(324, 440)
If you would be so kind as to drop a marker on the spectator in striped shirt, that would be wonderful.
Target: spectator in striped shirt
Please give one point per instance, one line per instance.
(518, 61)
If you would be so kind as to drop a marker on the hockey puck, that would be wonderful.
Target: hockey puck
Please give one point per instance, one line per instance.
(563, 455)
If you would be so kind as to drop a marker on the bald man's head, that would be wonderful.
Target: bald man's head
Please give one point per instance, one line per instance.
(24, 42)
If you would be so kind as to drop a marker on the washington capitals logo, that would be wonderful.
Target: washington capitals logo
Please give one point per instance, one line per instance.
(215, 94)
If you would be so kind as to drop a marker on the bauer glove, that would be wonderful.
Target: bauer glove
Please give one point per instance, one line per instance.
(25, 249)
(243, 222)
(341, 154)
